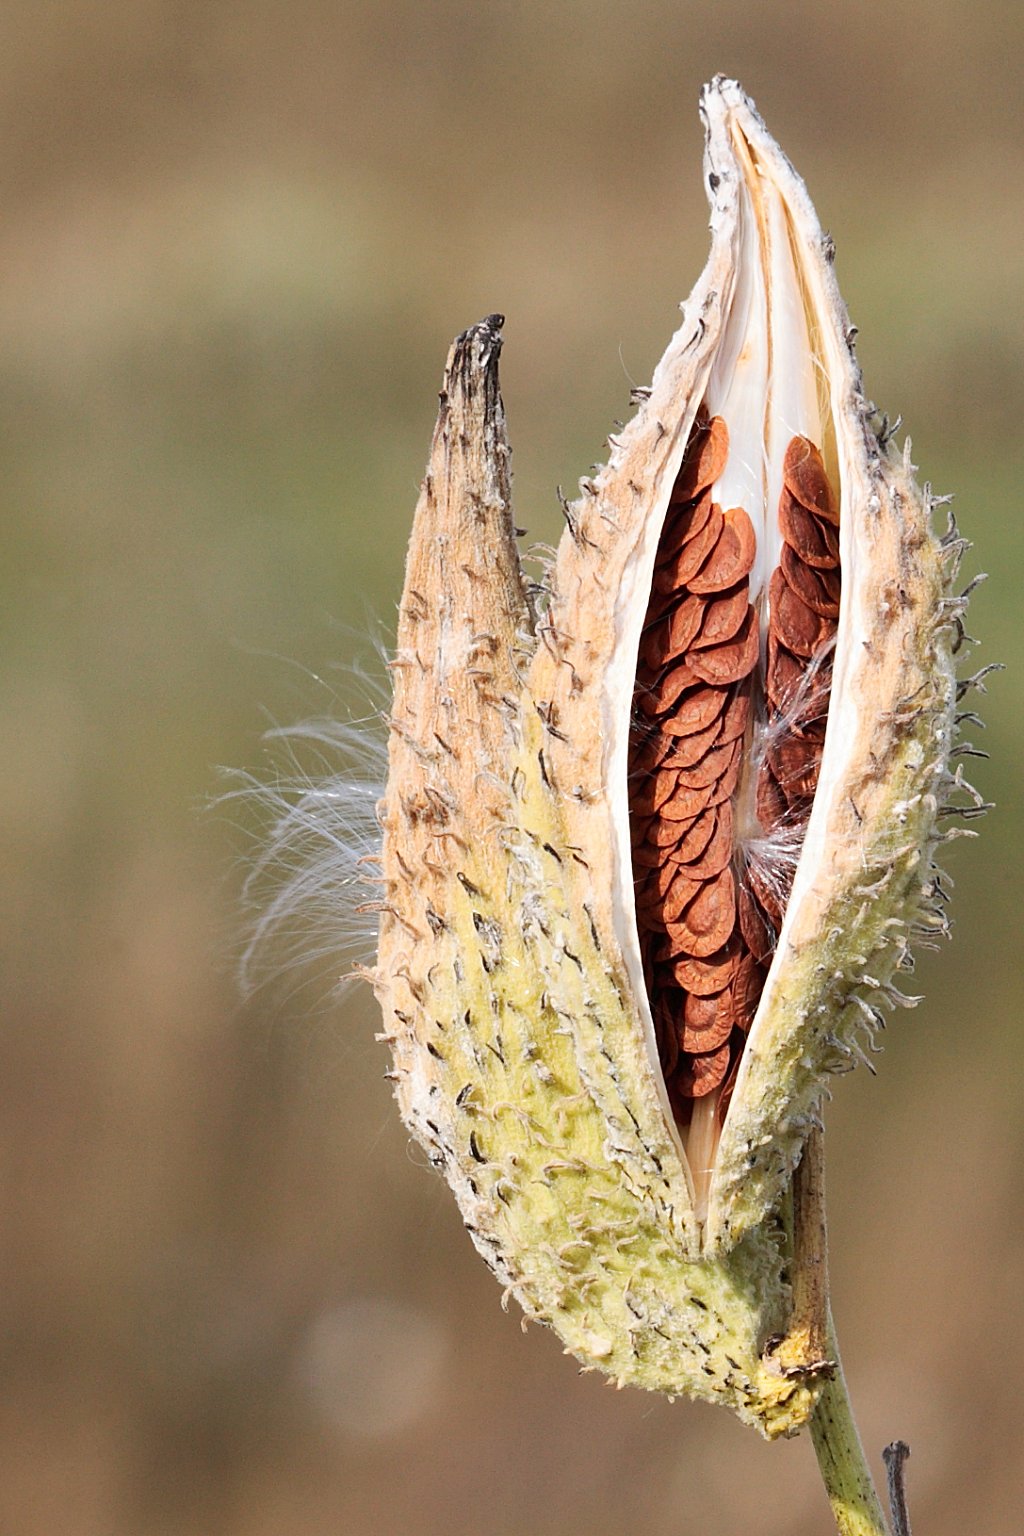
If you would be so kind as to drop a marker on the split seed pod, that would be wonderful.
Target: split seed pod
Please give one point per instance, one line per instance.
(657, 839)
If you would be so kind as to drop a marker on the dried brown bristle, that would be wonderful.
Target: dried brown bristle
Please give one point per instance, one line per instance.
(729, 692)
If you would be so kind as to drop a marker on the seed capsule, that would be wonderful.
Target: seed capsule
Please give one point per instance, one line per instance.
(653, 853)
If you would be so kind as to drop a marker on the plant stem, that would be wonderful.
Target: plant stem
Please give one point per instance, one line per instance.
(841, 1459)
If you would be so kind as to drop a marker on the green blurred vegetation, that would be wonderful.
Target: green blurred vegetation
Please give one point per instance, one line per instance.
(236, 240)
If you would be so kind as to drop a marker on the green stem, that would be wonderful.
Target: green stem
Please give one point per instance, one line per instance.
(841, 1459)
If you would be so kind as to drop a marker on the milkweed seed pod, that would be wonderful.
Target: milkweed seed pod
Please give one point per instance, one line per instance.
(658, 835)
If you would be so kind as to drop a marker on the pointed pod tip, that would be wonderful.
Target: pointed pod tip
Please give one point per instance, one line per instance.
(724, 107)
(480, 342)
(724, 101)
(485, 334)
(473, 364)
(722, 91)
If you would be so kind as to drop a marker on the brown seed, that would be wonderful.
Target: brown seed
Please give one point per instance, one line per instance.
(645, 857)
(659, 882)
(659, 605)
(676, 573)
(723, 615)
(697, 1075)
(664, 833)
(682, 893)
(728, 1085)
(657, 789)
(705, 1024)
(726, 786)
(757, 936)
(728, 663)
(682, 524)
(803, 474)
(668, 1038)
(710, 915)
(793, 688)
(693, 837)
(810, 711)
(704, 459)
(672, 633)
(700, 1013)
(819, 589)
(711, 974)
(741, 997)
(732, 556)
(668, 687)
(656, 750)
(716, 854)
(711, 767)
(695, 711)
(649, 914)
(648, 751)
(747, 986)
(649, 926)
(770, 898)
(795, 762)
(815, 541)
(799, 629)
(737, 711)
(783, 674)
(684, 803)
(685, 751)
(770, 804)
(728, 1012)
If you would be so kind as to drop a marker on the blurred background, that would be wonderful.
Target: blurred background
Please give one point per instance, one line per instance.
(235, 242)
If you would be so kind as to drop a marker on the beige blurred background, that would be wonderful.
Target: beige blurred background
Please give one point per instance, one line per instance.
(235, 241)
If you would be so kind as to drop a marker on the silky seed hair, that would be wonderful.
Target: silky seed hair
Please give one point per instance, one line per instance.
(311, 892)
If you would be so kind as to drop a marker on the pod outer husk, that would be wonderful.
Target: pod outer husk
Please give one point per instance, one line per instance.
(508, 967)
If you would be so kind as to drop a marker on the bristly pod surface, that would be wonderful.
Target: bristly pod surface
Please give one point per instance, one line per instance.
(657, 837)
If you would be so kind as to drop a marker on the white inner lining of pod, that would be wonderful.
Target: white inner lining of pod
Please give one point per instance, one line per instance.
(835, 380)
(764, 385)
(771, 379)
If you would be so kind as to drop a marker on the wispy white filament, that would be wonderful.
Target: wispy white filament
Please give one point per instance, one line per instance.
(312, 886)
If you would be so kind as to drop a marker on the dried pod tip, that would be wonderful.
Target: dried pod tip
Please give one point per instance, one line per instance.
(653, 854)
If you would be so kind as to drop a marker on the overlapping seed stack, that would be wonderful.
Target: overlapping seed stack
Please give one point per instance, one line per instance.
(708, 915)
(803, 613)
